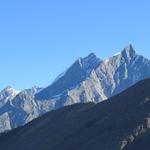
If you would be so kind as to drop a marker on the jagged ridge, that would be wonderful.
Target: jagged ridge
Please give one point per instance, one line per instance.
(89, 79)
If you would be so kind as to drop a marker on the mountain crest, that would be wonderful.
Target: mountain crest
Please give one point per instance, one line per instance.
(90, 62)
(88, 79)
(90, 56)
(129, 51)
(9, 90)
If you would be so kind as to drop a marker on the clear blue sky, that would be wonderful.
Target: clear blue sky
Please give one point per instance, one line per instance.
(41, 38)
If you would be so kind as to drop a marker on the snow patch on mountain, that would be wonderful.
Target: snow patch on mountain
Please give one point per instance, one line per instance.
(88, 79)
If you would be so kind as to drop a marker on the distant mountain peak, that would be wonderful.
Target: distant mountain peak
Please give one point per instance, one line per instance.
(7, 94)
(8, 87)
(129, 51)
(10, 90)
(91, 61)
(91, 55)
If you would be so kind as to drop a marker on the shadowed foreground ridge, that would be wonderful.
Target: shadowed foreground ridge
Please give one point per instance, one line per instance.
(122, 123)
(88, 79)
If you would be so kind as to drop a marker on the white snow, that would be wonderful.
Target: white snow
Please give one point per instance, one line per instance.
(116, 54)
(106, 60)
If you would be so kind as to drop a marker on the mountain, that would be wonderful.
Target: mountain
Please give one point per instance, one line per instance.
(88, 79)
(7, 94)
(93, 80)
(120, 123)
(122, 70)
(71, 78)
(18, 107)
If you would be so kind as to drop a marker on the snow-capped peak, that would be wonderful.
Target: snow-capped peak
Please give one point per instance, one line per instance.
(7, 94)
(9, 91)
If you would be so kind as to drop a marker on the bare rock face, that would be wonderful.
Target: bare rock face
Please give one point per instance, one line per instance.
(122, 70)
(88, 79)
(7, 94)
(5, 122)
(71, 78)
(120, 123)
(92, 80)
(18, 108)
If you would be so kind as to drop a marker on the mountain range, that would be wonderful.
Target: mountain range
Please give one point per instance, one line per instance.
(88, 79)
(119, 123)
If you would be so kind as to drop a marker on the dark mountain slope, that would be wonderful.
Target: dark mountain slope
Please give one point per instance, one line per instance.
(88, 79)
(117, 124)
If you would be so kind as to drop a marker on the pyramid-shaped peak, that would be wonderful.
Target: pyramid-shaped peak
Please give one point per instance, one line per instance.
(91, 61)
(8, 87)
(9, 91)
(129, 51)
(129, 48)
(91, 55)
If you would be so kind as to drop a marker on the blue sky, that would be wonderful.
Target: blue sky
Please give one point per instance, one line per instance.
(41, 38)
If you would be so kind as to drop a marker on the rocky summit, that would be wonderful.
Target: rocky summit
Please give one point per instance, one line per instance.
(120, 123)
(88, 79)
